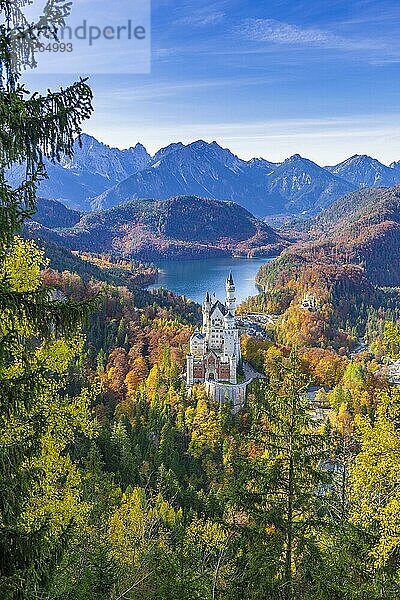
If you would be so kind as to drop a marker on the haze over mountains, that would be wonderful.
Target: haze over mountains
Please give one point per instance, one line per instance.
(100, 177)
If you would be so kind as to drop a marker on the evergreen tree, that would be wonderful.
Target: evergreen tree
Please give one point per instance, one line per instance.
(375, 493)
(277, 482)
(39, 493)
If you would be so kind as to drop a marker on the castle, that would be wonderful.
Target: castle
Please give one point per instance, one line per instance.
(215, 350)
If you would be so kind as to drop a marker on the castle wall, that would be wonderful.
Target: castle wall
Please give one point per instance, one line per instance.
(234, 394)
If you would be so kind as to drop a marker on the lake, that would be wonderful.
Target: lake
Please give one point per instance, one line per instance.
(193, 278)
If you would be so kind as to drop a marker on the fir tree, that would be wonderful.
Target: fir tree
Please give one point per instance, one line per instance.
(38, 334)
(277, 480)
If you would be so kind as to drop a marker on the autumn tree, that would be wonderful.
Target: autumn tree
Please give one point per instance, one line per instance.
(391, 340)
(136, 375)
(374, 479)
(138, 538)
(39, 494)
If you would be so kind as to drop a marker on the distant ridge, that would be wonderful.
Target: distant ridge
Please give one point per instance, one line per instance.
(364, 171)
(100, 177)
(303, 186)
(204, 169)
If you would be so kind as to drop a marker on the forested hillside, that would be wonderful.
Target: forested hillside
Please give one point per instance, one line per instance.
(364, 227)
(347, 260)
(119, 483)
(52, 214)
(183, 226)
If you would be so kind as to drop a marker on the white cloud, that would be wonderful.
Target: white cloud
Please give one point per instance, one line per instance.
(278, 32)
(201, 19)
(155, 91)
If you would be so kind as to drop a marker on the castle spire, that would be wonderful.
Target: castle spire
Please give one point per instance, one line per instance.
(230, 294)
(206, 311)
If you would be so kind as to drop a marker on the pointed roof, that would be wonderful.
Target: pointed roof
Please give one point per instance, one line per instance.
(220, 306)
(197, 334)
(208, 297)
(211, 353)
(230, 281)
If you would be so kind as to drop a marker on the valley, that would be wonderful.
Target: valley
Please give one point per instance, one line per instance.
(153, 450)
(346, 258)
(200, 350)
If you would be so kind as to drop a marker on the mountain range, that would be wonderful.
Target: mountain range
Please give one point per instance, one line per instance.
(99, 177)
(94, 168)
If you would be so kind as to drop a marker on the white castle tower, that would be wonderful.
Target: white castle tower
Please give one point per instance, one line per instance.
(230, 294)
(215, 350)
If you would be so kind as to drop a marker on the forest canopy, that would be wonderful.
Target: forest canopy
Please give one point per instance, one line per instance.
(119, 483)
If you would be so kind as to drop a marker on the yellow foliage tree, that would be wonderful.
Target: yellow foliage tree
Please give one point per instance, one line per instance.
(206, 433)
(375, 491)
(42, 421)
(136, 375)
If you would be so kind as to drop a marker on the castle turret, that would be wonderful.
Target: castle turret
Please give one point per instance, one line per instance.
(189, 369)
(206, 310)
(232, 369)
(230, 294)
(207, 302)
(229, 321)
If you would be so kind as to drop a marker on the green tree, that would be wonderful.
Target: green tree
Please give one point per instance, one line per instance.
(277, 481)
(39, 493)
(87, 571)
(375, 490)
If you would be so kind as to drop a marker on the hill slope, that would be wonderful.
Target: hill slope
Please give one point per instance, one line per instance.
(353, 213)
(362, 228)
(344, 275)
(53, 214)
(366, 225)
(176, 227)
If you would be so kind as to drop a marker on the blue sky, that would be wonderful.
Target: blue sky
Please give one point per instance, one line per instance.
(264, 78)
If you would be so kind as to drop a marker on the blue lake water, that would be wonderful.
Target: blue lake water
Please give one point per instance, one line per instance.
(193, 278)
